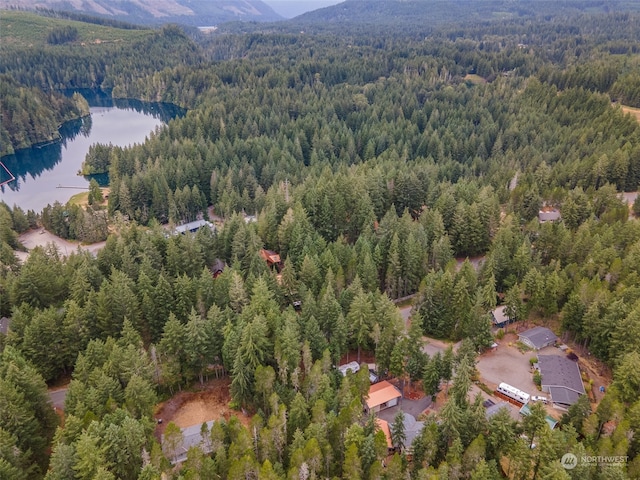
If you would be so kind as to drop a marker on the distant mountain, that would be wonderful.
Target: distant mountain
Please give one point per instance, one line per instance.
(430, 13)
(154, 12)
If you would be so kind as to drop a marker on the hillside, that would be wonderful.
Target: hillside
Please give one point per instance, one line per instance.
(25, 29)
(152, 12)
(437, 12)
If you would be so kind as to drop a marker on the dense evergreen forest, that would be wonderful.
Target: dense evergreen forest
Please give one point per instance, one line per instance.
(371, 161)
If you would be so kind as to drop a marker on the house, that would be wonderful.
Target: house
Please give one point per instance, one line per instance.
(549, 215)
(191, 437)
(272, 259)
(4, 325)
(384, 426)
(538, 337)
(499, 317)
(561, 379)
(353, 367)
(412, 429)
(193, 227)
(382, 395)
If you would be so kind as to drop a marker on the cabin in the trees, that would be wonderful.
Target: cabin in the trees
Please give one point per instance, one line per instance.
(217, 268)
(382, 395)
(193, 227)
(561, 378)
(384, 426)
(353, 367)
(191, 437)
(538, 337)
(549, 215)
(272, 259)
(499, 317)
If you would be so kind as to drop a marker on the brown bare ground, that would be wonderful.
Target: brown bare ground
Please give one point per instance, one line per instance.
(209, 402)
(635, 112)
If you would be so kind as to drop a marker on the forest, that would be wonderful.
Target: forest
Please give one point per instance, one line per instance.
(375, 164)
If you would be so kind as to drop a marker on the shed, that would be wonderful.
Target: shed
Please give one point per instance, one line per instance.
(499, 317)
(218, 267)
(384, 426)
(552, 422)
(382, 395)
(538, 337)
(5, 323)
(561, 378)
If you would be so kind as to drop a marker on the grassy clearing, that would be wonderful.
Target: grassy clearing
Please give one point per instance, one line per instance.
(475, 79)
(26, 29)
(82, 198)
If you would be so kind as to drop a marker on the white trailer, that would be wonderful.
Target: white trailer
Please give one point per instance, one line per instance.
(513, 393)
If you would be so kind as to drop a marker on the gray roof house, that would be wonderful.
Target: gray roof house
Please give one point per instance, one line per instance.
(191, 437)
(545, 216)
(193, 227)
(561, 378)
(538, 337)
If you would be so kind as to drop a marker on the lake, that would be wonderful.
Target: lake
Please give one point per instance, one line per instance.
(40, 171)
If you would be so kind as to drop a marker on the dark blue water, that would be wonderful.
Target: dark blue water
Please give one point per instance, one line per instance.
(40, 171)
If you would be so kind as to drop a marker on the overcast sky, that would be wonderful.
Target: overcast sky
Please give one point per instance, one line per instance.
(293, 8)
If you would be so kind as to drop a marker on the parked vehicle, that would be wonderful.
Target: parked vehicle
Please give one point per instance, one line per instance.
(539, 398)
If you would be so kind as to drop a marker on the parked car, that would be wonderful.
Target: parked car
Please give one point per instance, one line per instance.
(539, 398)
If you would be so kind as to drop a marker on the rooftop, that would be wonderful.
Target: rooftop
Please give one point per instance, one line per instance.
(539, 336)
(384, 426)
(499, 315)
(354, 367)
(193, 226)
(380, 393)
(548, 215)
(4, 325)
(558, 371)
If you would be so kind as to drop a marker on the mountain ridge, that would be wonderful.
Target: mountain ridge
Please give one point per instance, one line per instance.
(155, 12)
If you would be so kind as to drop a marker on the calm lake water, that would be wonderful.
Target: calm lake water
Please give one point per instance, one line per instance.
(39, 171)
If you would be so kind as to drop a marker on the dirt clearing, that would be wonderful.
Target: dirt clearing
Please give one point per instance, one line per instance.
(635, 112)
(41, 237)
(209, 402)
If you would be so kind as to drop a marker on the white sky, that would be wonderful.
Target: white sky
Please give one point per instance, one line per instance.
(293, 8)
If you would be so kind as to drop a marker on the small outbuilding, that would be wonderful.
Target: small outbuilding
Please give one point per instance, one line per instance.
(499, 317)
(384, 426)
(538, 337)
(4, 325)
(382, 395)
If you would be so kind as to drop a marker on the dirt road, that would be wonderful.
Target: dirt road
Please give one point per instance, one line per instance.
(41, 237)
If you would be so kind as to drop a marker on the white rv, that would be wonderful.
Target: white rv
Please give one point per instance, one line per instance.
(513, 393)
